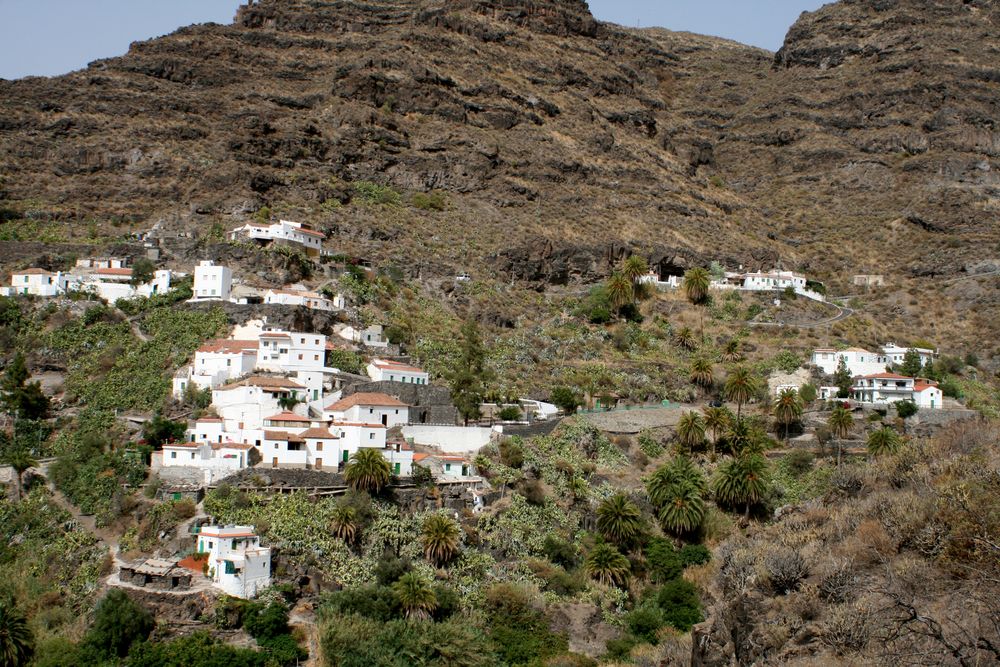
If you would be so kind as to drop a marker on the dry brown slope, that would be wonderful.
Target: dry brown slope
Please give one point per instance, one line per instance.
(549, 131)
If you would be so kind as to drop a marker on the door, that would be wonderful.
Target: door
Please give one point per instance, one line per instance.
(319, 464)
(395, 468)
(347, 455)
(385, 420)
(274, 462)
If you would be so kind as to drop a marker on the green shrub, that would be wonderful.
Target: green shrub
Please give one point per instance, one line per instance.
(950, 387)
(680, 604)
(807, 393)
(118, 623)
(283, 649)
(372, 193)
(662, 560)
(565, 399)
(644, 622)
(649, 445)
(265, 623)
(346, 361)
(561, 552)
(435, 200)
(694, 554)
(906, 408)
(510, 413)
(198, 650)
(799, 461)
(511, 454)
(787, 361)
(596, 306)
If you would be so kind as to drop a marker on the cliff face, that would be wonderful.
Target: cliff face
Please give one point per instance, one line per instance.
(543, 127)
(867, 144)
(870, 145)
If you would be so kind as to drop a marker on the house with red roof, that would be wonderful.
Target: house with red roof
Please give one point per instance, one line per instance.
(385, 370)
(369, 408)
(284, 231)
(885, 388)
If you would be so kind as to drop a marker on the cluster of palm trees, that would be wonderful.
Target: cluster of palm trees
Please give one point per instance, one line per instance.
(624, 286)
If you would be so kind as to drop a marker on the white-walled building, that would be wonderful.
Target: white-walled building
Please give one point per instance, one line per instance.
(773, 280)
(305, 298)
(895, 354)
(447, 467)
(886, 388)
(289, 351)
(283, 230)
(383, 370)
(236, 562)
(244, 405)
(38, 282)
(372, 336)
(113, 283)
(212, 282)
(215, 459)
(369, 408)
(215, 363)
(859, 361)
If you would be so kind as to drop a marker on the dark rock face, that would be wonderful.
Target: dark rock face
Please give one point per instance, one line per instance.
(528, 114)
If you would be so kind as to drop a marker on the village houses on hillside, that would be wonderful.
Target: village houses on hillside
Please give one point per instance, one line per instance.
(109, 278)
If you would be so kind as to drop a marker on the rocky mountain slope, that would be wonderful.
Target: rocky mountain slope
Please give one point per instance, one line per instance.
(867, 144)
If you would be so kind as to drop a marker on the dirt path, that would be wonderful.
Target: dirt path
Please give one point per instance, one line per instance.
(88, 522)
(302, 616)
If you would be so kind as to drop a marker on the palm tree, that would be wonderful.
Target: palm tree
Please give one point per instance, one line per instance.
(787, 408)
(696, 283)
(607, 565)
(20, 460)
(743, 437)
(16, 641)
(619, 520)
(741, 386)
(731, 354)
(415, 595)
(883, 441)
(634, 268)
(679, 471)
(367, 470)
(840, 423)
(741, 481)
(684, 338)
(620, 291)
(440, 539)
(701, 373)
(716, 419)
(344, 523)
(691, 430)
(683, 510)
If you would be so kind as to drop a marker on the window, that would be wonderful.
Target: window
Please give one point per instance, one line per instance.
(315, 357)
(371, 436)
(300, 357)
(319, 445)
(447, 467)
(302, 341)
(173, 455)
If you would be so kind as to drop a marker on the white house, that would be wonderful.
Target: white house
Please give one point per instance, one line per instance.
(113, 283)
(895, 354)
(283, 230)
(372, 336)
(38, 282)
(102, 263)
(216, 459)
(927, 394)
(774, 280)
(244, 405)
(447, 467)
(289, 351)
(212, 282)
(216, 362)
(886, 388)
(369, 408)
(313, 300)
(859, 361)
(653, 278)
(383, 370)
(236, 562)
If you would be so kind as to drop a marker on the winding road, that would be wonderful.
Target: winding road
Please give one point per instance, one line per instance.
(843, 312)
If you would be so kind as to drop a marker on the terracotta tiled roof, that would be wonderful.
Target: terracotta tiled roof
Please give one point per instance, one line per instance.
(264, 382)
(317, 433)
(282, 435)
(419, 456)
(231, 445)
(302, 293)
(113, 272)
(229, 346)
(885, 376)
(396, 366)
(274, 334)
(924, 385)
(362, 424)
(186, 445)
(287, 417)
(32, 272)
(312, 232)
(209, 420)
(365, 398)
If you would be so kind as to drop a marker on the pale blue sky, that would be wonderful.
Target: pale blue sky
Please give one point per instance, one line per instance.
(47, 37)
